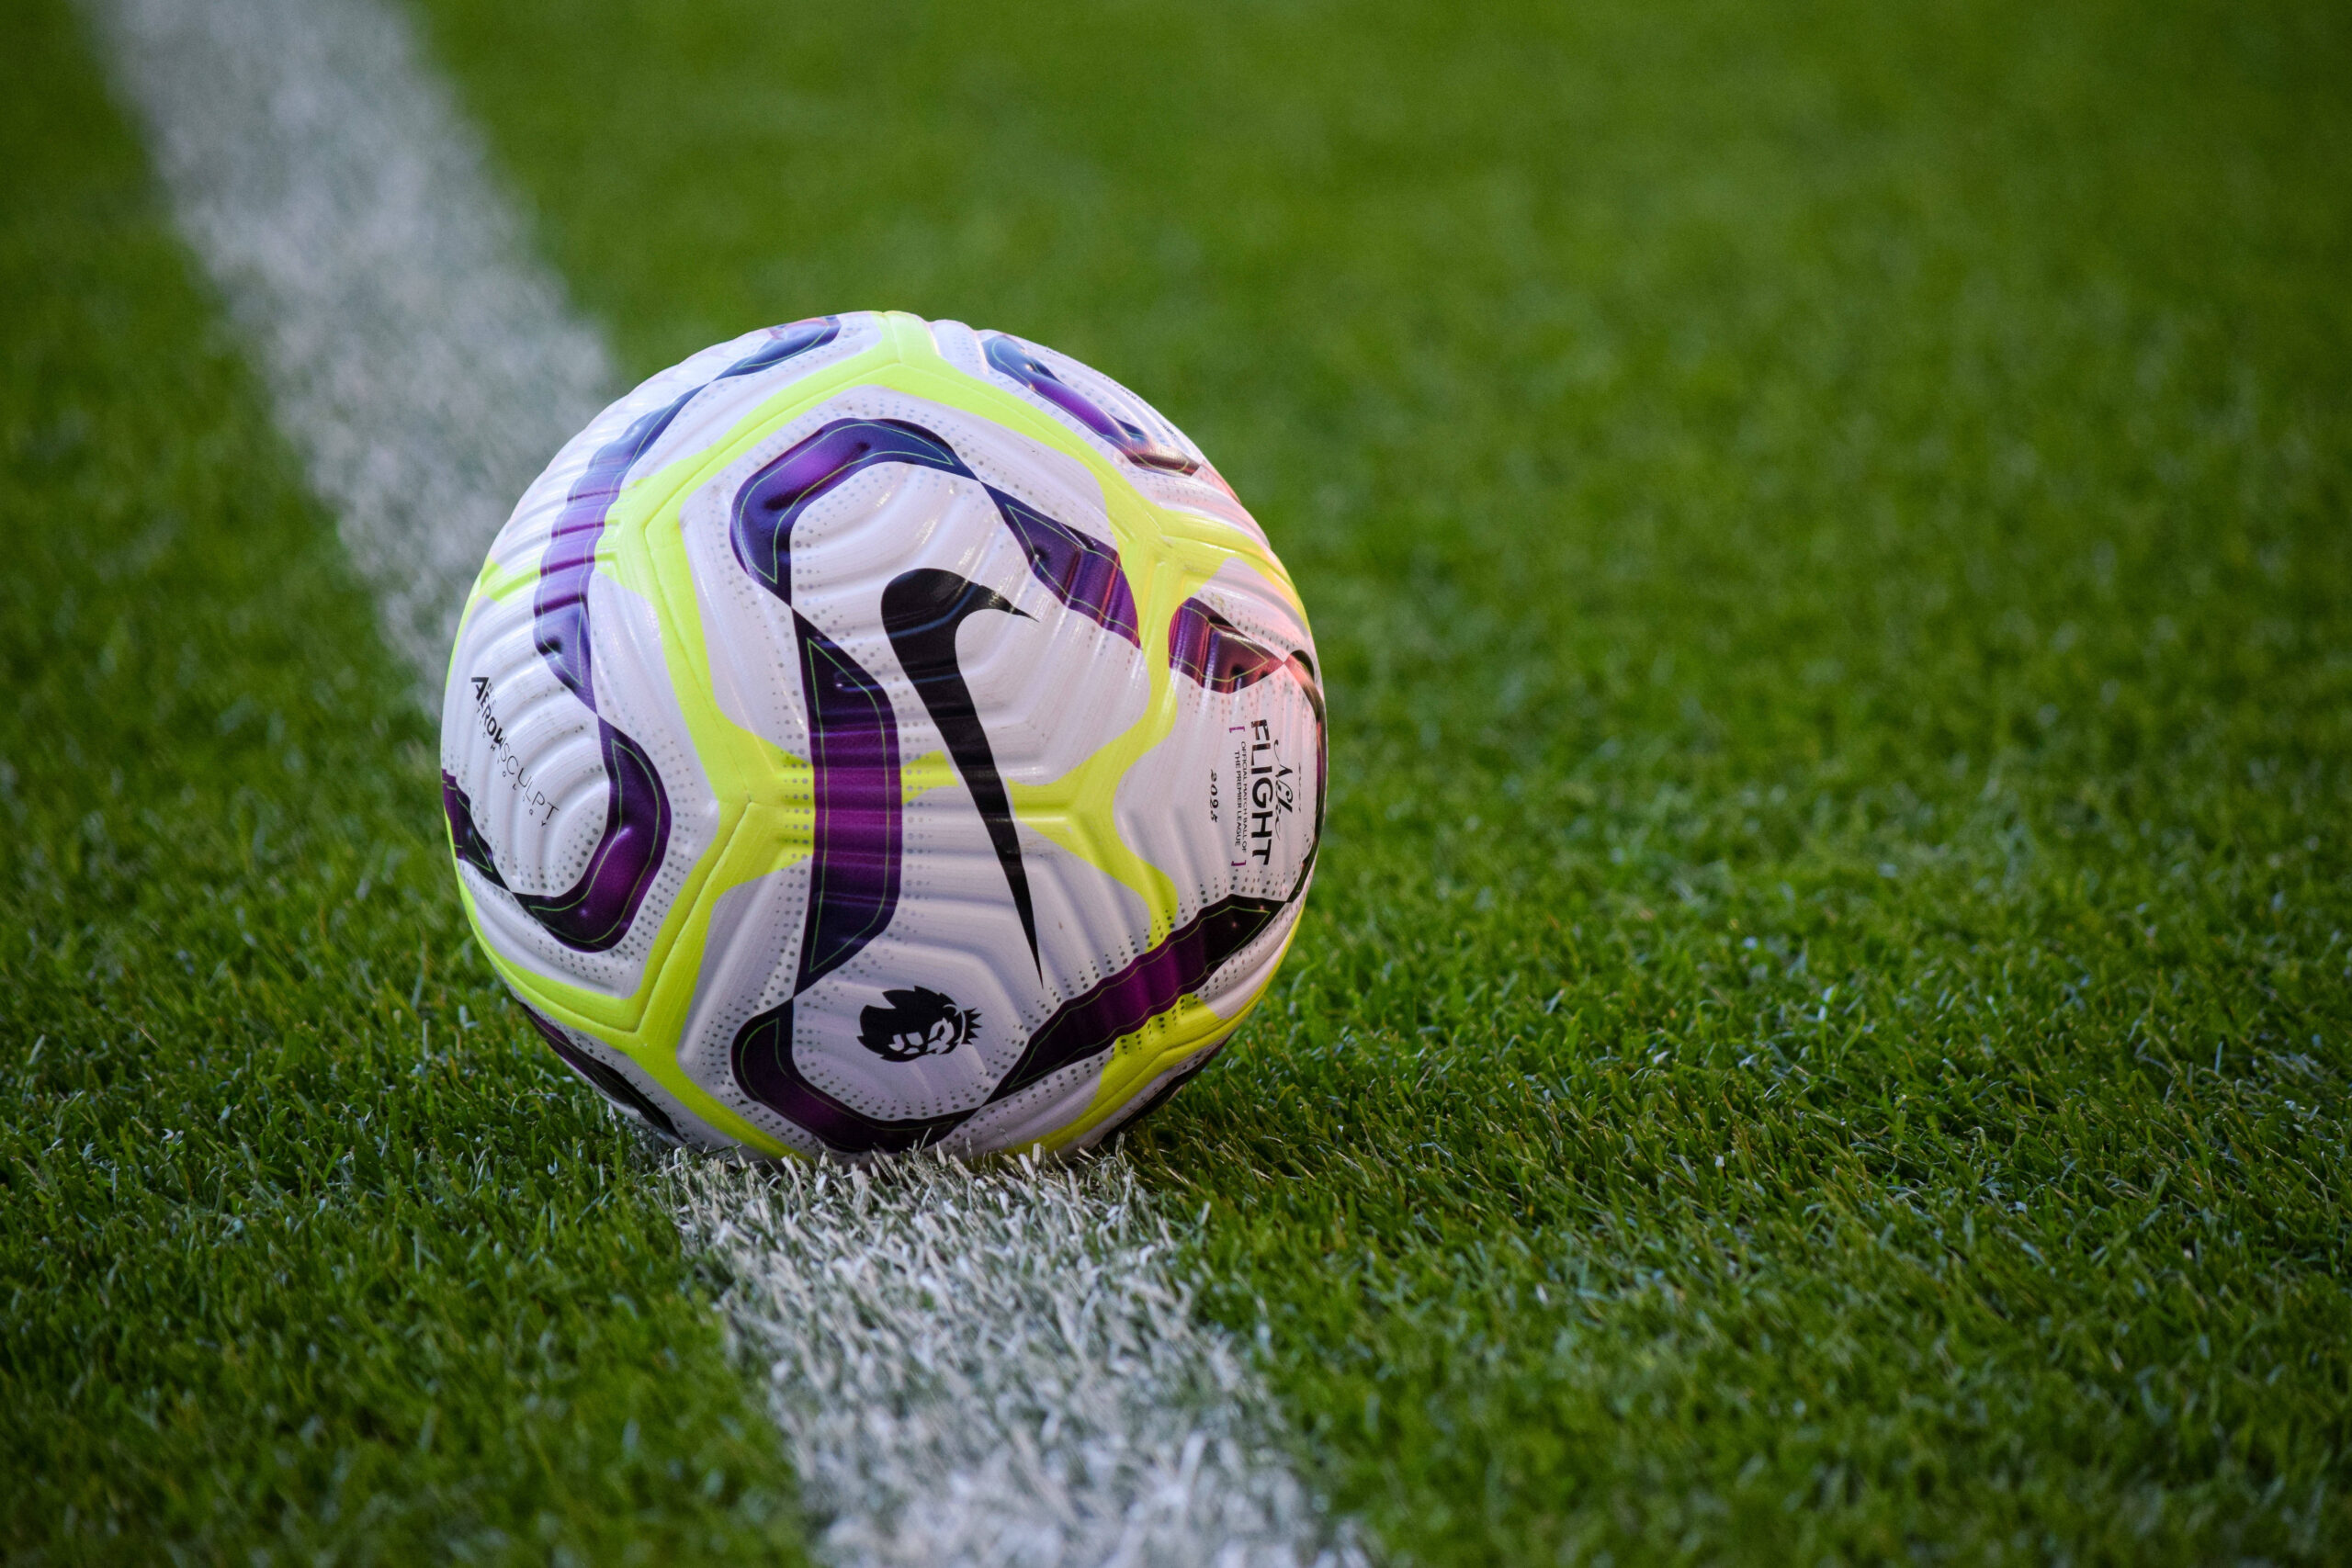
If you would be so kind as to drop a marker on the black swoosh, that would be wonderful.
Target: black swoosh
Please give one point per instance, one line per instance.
(921, 610)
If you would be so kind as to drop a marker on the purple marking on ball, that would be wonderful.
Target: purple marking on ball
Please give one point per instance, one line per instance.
(775, 498)
(1080, 571)
(763, 1068)
(854, 753)
(559, 608)
(466, 841)
(595, 914)
(1133, 443)
(1216, 653)
(1152, 984)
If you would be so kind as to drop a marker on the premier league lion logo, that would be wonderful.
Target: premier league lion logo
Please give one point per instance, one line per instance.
(917, 1022)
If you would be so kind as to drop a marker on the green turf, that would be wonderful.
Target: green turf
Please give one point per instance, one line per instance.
(307, 1252)
(1823, 1031)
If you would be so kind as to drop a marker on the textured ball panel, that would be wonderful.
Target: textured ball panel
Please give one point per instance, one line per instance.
(576, 804)
(576, 824)
(922, 746)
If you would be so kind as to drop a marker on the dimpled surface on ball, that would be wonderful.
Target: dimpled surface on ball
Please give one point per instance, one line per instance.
(873, 733)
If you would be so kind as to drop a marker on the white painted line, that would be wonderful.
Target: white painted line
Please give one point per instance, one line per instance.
(1000, 1367)
(971, 1367)
(423, 367)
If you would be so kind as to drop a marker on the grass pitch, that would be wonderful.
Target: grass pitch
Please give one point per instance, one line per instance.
(1822, 1033)
(1822, 1030)
(306, 1253)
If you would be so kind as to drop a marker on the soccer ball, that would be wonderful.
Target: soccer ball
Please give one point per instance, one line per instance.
(872, 734)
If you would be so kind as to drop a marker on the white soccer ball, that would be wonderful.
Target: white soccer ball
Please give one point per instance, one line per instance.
(873, 733)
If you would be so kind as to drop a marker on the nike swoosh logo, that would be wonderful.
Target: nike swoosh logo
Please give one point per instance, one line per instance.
(922, 611)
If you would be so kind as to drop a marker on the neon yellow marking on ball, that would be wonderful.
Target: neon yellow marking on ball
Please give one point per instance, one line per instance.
(499, 583)
(929, 772)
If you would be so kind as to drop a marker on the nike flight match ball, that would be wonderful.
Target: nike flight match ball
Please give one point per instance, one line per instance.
(872, 734)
